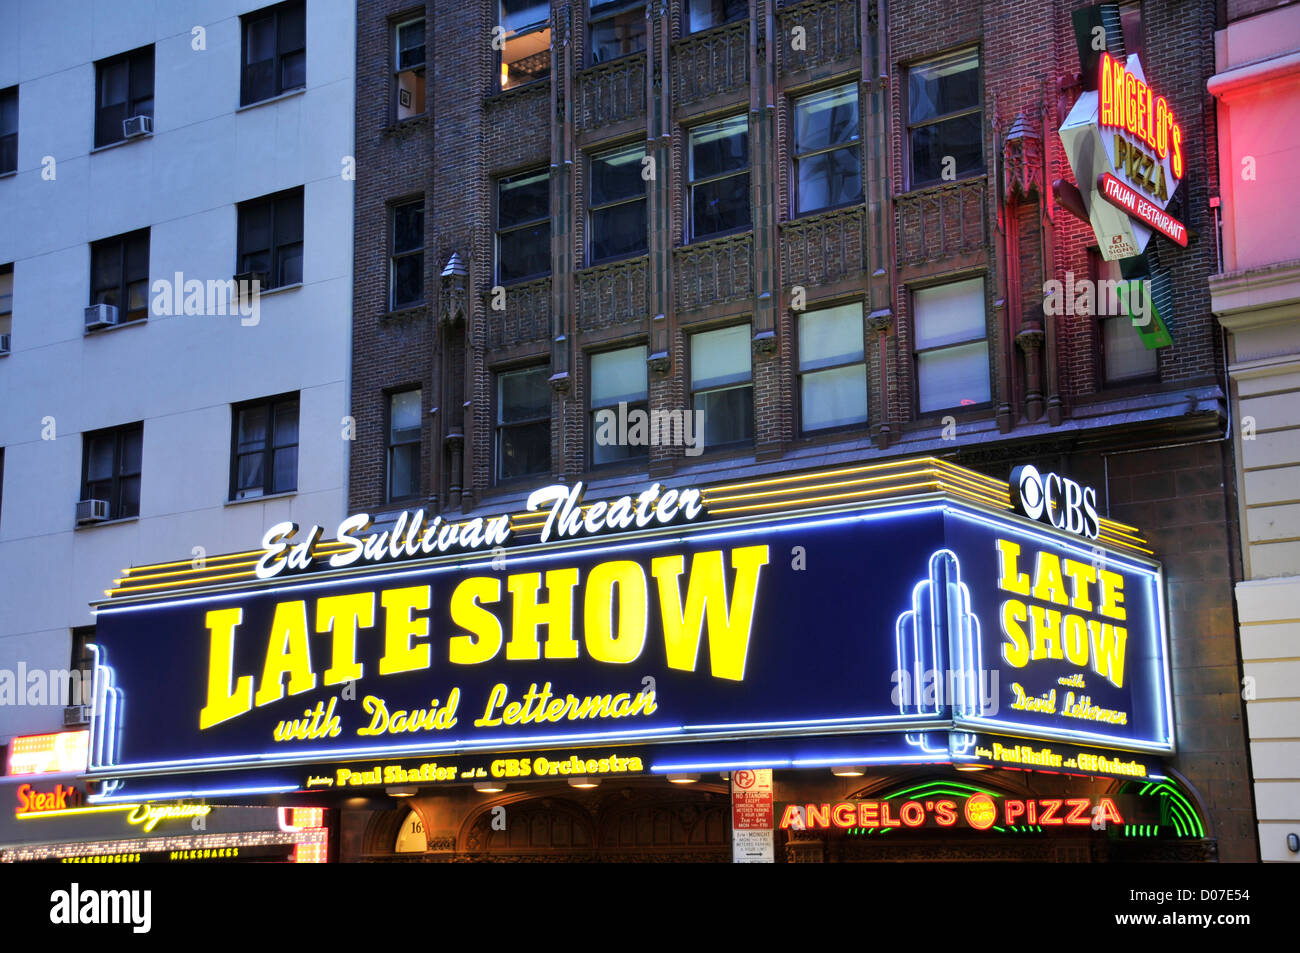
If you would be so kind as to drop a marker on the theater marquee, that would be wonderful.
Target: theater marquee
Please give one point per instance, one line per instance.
(909, 616)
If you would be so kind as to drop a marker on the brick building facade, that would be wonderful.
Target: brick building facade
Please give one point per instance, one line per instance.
(1149, 436)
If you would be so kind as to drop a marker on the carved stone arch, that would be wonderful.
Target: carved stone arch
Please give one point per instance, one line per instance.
(534, 824)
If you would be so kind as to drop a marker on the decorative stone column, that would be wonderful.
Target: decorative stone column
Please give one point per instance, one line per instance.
(880, 323)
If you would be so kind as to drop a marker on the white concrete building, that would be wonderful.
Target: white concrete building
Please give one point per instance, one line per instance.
(166, 418)
(1257, 299)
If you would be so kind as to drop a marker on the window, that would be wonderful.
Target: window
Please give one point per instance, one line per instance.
(404, 429)
(110, 469)
(719, 173)
(274, 52)
(703, 14)
(124, 88)
(952, 350)
(119, 274)
(832, 368)
(523, 226)
(617, 377)
(827, 156)
(408, 60)
(1125, 358)
(945, 122)
(617, 205)
(8, 130)
(270, 238)
(722, 386)
(83, 659)
(526, 55)
(617, 28)
(523, 423)
(406, 267)
(6, 306)
(2, 478)
(264, 457)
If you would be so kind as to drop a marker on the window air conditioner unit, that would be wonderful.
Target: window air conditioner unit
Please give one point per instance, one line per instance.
(4, 344)
(92, 511)
(137, 126)
(75, 715)
(101, 316)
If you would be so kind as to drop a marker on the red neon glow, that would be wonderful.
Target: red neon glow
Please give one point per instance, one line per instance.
(1128, 103)
(59, 752)
(32, 801)
(1118, 194)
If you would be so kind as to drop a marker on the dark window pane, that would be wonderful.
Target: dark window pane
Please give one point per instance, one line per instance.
(9, 111)
(290, 265)
(259, 81)
(137, 257)
(293, 28)
(523, 198)
(99, 457)
(284, 470)
(250, 475)
(404, 471)
(524, 252)
(9, 152)
(719, 147)
(618, 230)
(525, 450)
(113, 83)
(259, 40)
(617, 176)
(408, 227)
(829, 179)
(408, 280)
(728, 415)
(129, 503)
(293, 71)
(619, 35)
(254, 226)
(720, 206)
(288, 217)
(826, 119)
(709, 13)
(516, 14)
(944, 86)
(286, 423)
(137, 299)
(141, 76)
(524, 395)
(960, 138)
(251, 434)
(410, 45)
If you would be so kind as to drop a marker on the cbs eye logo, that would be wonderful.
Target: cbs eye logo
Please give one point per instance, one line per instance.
(1056, 500)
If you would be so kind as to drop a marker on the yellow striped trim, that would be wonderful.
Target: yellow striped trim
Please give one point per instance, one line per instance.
(775, 494)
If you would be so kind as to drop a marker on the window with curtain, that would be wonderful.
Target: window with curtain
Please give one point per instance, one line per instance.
(951, 346)
(832, 368)
(404, 442)
(722, 385)
(617, 377)
(265, 447)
